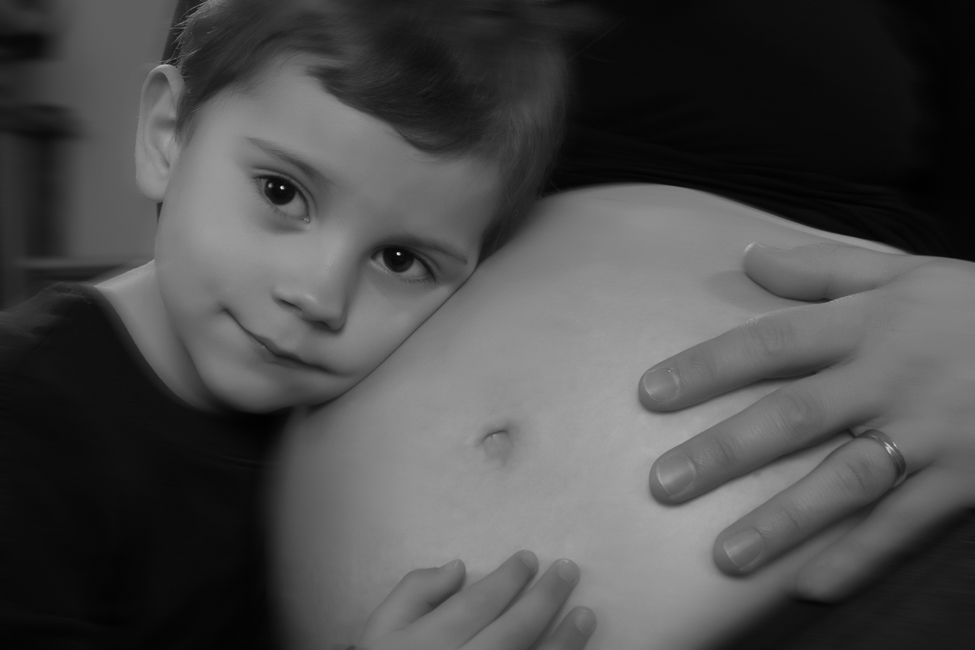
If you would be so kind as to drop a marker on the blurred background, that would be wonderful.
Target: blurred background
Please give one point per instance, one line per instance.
(70, 76)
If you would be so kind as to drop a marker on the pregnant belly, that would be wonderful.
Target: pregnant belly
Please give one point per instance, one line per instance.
(510, 420)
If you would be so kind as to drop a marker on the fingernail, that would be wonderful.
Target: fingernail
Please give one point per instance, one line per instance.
(660, 385)
(744, 548)
(529, 559)
(585, 621)
(568, 571)
(450, 566)
(675, 474)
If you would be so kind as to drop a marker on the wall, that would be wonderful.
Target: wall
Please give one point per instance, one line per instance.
(100, 58)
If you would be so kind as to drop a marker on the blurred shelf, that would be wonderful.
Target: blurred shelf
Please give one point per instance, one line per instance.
(30, 210)
(39, 120)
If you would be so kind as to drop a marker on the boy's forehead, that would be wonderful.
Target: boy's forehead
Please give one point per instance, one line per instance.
(277, 77)
(286, 110)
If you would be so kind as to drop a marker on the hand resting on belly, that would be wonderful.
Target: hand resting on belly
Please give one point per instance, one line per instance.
(511, 420)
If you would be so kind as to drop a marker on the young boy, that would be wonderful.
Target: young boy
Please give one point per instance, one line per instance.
(329, 172)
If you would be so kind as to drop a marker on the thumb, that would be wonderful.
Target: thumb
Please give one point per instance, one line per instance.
(824, 270)
(416, 595)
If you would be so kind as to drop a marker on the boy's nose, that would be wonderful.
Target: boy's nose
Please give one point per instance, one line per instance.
(326, 308)
(318, 282)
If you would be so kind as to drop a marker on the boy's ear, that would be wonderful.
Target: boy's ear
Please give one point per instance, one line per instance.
(156, 148)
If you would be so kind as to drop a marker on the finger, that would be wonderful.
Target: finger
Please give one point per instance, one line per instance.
(531, 614)
(416, 595)
(468, 612)
(573, 632)
(793, 417)
(898, 523)
(783, 343)
(851, 477)
(824, 270)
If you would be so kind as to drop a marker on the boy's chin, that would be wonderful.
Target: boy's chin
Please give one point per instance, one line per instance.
(260, 397)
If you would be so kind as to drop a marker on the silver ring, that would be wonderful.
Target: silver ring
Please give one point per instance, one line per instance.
(900, 465)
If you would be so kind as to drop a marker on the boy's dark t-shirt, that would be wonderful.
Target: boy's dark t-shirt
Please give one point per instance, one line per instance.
(127, 518)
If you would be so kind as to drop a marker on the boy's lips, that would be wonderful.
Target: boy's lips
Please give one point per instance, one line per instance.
(275, 354)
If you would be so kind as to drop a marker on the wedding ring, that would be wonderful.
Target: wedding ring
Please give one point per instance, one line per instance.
(900, 465)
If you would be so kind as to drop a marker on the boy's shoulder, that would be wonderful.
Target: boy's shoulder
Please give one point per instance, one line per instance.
(29, 327)
(63, 349)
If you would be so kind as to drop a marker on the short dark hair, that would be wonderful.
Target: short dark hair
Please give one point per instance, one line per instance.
(474, 77)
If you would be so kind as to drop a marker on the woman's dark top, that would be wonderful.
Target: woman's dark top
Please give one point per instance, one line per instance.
(127, 518)
(853, 116)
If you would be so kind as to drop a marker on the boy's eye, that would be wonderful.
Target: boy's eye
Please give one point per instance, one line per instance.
(284, 196)
(279, 191)
(398, 260)
(404, 263)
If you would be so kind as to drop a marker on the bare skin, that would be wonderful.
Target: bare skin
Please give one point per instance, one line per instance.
(510, 420)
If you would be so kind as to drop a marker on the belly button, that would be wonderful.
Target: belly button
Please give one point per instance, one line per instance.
(497, 446)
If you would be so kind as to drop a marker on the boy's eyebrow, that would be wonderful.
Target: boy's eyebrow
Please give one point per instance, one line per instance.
(438, 245)
(289, 158)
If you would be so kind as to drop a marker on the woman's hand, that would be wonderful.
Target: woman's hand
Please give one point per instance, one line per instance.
(893, 350)
(426, 610)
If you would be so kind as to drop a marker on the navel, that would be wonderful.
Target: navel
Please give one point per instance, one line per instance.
(497, 445)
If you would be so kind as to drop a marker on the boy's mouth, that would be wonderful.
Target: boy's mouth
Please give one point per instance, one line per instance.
(274, 354)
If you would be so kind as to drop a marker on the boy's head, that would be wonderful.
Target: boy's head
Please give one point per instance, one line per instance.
(330, 171)
(477, 78)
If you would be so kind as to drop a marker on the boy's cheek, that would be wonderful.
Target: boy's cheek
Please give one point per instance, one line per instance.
(383, 323)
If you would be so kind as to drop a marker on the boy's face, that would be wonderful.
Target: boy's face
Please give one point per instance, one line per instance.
(301, 241)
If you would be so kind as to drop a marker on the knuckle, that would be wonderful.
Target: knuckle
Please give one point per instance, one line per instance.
(798, 413)
(859, 473)
(697, 368)
(720, 450)
(790, 521)
(769, 337)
